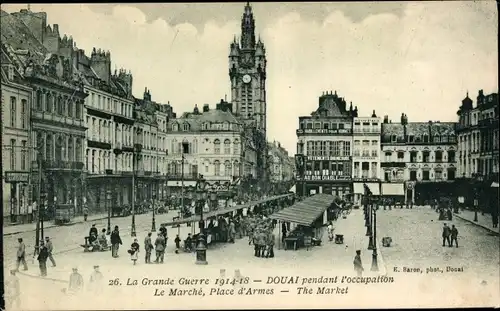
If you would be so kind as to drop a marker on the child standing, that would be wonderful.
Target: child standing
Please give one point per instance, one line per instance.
(134, 251)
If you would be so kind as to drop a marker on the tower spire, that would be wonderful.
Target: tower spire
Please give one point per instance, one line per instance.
(248, 28)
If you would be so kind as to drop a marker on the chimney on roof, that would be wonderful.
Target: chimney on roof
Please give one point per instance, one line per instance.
(206, 107)
(386, 119)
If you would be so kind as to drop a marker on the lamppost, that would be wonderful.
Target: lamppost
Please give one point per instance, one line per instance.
(132, 231)
(369, 217)
(374, 254)
(201, 248)
(153, 221)
(108, 199)
(476, 204)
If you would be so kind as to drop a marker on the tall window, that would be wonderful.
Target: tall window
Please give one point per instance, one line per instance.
(23, 155)
(425, 156)
(425, 175)
(78, 110)
(439, 156)
(374, 170)
(12, 154)
(388, 156)
(217, 146)
(70, 108)
(92, 163)
(13, 105)
(236, 146)
(236, 168)
(78, 150)
(413, 175)
(438, 174)
(24, 105)
(227, 168)
(71, 150)
(451, 156)
(39, 100)
(227, 147)
(356, 169)
(217, 168)
(413, 156)
(49, 147)
(48, 102)
(401, 156)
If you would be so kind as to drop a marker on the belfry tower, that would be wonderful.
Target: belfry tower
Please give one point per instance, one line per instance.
(247, 73)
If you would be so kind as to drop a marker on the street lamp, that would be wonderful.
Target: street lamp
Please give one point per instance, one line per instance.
(374, 254)
(201, 248)
(476, 204)
(108, 199)
(153, 224)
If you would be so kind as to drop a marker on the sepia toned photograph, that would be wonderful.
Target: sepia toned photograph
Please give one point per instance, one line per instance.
(250, 155)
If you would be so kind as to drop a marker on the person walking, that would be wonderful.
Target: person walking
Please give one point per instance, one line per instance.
(358, 265)
(116, 241)
(454, 235)
(13, 292)
(160, 248)
(148, 247)
(75, 282)
(446, 235)
(134, 251)
(177, 243)
(50, 248)
(270, 245)
(43, 254)
(21, 255)
(96, 281)
(85, 212)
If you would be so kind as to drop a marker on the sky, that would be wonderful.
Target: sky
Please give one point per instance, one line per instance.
(418, 58)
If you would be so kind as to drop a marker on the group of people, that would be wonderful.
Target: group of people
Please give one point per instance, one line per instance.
(450, 235)
(260, 235)
(44, 253)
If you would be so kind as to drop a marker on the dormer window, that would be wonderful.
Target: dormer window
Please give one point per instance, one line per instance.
(411, 138)
(185, 127)
(175, 127)
(426, 138)
(437, 138)
(205, 126)
(393, 138)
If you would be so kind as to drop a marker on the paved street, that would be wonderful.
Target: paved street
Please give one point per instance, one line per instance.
(68, 238)
(415, 246)
(417, 243)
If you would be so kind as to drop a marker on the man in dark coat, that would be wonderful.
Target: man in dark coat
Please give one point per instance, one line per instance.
(115, 242)
(454, 235)
(148, 247)
(446, 235)
(43, 254)
(92, 234)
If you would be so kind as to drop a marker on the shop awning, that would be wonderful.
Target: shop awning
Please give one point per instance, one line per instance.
(306, 211)
(393, 189)
(224, 211)
(494, 184)
(360, 189)
(293, 189)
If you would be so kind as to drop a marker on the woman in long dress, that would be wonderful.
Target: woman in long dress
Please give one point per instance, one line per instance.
(134, 254)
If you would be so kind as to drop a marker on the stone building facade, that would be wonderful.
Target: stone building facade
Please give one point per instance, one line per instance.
(16, 141)
(210, 142)
(418, 159)
(325, 142)
(57, 124)
(478, 145)
(280, 164)
(366, 155)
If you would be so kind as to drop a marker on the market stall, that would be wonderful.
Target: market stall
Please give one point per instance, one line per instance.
(307, 217)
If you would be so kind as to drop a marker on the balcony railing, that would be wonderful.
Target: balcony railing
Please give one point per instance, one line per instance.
(179, 176)
(46, 116)
(59, 165)
(493, 122)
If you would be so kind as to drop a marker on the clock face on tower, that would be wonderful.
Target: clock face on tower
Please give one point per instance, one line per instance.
(247, 78)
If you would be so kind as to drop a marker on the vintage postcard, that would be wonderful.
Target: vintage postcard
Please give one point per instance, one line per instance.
(250, 155)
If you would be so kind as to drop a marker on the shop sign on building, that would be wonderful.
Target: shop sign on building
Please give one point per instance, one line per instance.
(17, 177)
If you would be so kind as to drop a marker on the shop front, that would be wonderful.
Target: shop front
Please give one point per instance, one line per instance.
(359, 190)
(394, 193)
(16, 186)
(340, 186)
